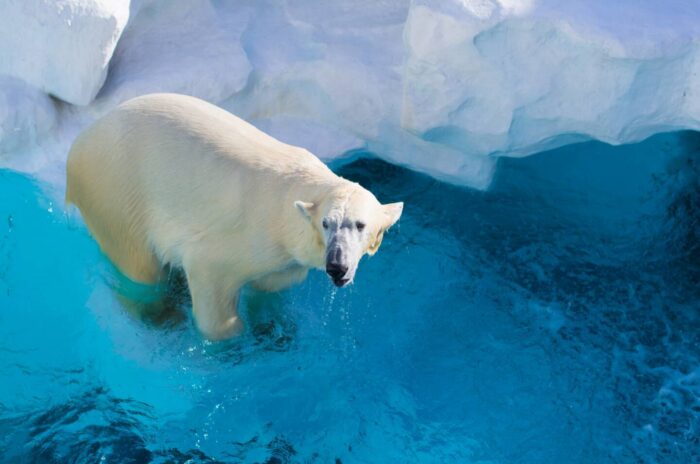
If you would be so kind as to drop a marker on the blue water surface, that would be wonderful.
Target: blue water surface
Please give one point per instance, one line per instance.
(553, 319)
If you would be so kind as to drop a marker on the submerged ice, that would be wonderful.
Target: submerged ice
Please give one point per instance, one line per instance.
(442, 87)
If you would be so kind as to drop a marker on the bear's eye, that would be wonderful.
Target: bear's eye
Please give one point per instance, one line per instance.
(360, 226)
(325, 224)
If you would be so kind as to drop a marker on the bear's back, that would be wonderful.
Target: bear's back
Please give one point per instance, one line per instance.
(211, 131)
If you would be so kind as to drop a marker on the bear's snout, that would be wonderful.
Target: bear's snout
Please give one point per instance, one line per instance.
(337, 272)
(336, 266)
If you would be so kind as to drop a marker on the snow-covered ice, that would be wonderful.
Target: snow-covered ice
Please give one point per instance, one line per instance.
(178, 47)
(62, 47)
(444, 87)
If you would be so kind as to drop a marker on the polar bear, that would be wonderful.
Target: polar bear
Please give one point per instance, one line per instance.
(168, 180)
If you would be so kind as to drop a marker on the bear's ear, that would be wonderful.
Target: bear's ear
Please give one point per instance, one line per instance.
(392, 213)
(374, 247)
(305, 208)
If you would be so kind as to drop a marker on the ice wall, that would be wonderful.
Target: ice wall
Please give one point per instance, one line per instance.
(445, 87)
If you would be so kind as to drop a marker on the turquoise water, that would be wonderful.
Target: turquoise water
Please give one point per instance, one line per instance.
(552, 319)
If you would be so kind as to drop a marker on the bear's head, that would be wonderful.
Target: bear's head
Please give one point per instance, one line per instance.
(349, 223)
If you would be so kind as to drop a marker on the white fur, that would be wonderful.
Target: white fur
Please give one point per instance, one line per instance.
(168, 179)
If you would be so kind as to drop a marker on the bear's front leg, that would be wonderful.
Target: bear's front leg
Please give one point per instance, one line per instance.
(214, 302)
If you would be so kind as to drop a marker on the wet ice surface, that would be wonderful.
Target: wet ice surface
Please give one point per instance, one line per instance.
(555, 318)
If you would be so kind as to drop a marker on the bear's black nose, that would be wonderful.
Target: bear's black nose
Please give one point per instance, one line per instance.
(336, 271)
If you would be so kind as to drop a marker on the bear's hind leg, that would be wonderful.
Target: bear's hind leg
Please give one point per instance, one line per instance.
(214, 303)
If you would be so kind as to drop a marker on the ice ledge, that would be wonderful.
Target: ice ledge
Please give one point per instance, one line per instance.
(442, 87)
(521, 85)
(448, 87)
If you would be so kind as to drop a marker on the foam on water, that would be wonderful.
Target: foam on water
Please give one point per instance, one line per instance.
(554, 318)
